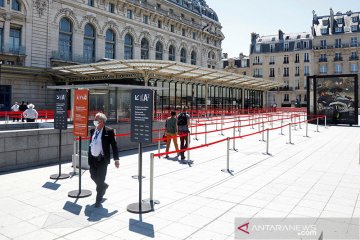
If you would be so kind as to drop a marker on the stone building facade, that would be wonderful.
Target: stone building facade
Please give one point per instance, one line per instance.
(39, 34)
(286, 59)
(336, 43)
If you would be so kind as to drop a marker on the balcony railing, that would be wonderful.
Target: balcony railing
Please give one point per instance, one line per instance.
(322, 59)
(285, 75)
(353, 58)
(338, 59)
(286, 62)
(257, 76)
(257, 63)
(306, 60)
(297, 74)
(306, 74)
(271, 63)
(68, 57)
(8, 49)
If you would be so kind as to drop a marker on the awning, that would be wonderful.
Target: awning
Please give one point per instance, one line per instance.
(149, 69)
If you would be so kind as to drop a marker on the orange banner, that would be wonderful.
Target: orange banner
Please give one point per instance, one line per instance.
(81, 113)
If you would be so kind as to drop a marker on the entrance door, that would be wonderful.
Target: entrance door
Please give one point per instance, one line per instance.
(5, 97)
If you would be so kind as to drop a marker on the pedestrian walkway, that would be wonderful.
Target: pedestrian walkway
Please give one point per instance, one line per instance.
(316, 176)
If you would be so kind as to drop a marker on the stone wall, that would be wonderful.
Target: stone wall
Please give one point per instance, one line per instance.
(21, 149)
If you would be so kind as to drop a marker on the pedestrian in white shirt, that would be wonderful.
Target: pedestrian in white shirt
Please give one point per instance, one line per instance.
(30, 114)
(15, 109)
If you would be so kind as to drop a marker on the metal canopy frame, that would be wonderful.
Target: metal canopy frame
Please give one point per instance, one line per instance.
(171, 70)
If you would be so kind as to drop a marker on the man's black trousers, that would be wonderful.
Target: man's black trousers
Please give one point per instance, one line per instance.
(98, 171)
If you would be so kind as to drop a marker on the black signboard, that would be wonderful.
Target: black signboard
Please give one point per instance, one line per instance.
(60, 116)
(335, 96)
(142, 104)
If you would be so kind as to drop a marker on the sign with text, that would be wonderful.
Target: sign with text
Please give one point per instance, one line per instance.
(81, 113)
(142, 105)
(60, 117)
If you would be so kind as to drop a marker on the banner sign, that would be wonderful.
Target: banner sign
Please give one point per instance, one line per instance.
(142, 104)
(81, 112)
(60, 116)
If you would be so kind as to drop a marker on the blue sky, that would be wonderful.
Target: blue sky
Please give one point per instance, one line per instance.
(241, 17)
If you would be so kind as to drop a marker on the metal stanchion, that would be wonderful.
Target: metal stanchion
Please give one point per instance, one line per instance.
(239, 121)
(59, 175)
(222, 125)
(239, 128)
(262, 133)
(306, 131)
(271, 123)
(205, 133)
(317, 124)
(267, 141)
(290, 134)
(227, 170)
(281, 129)
(234, 139)
(188, 146)
(74, 172)
(159, 142)
(151, 200)
(300, 121)
(80, 193)
(325, 122)
(252, 122)
(196, 138)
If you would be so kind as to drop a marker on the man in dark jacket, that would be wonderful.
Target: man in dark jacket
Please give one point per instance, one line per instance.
(101, 139)
(22, 109)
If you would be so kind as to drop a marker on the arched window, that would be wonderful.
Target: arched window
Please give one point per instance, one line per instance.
(110, 44)
(89, 43)
(65, 39)
(128, 47)
(172, 53)
(15, 5)
(183, 55)
(159, 51)
(193, 57)
(144, 48)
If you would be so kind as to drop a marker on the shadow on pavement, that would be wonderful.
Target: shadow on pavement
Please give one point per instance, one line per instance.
(140, 227)
(96, 214)
(51, 185)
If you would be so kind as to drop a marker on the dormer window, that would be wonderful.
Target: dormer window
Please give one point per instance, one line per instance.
(338, 29)
(325, 22)
(15, 5)
(273, 39)
(339, 21)
(324, 31)
(287, 38)
(355, 19)
(354, 28)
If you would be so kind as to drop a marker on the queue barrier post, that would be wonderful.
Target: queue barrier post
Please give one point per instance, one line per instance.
(267, 141)
(227, 170)
(325, 122)
(188, 146)
(290, 134)
(205, 133)
(151, 200)
(159, 141)
(317, 124)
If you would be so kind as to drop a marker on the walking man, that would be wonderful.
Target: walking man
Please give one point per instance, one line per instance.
(15, 109)
(101, 139)
(171, 131)
(23, 108)
(183, 129)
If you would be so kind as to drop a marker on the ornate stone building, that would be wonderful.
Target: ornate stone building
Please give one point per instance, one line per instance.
(38, 34)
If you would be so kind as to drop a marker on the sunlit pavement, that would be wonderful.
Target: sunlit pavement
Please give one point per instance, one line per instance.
(316, 176)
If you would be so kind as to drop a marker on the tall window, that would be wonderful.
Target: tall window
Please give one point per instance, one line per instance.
(323, 43)
(272, 60)
(323, 69)
(286, 59)
(354, 67)
(306, 70)
(146, 19)
(306, 57)
(89, 43)
(172, 53)
(286, 47)
(15, 5)
(65, 39)
(15, 39)
(286, 71)
(144, 49)
(1, 3)
(297, 71)
(159, 51)
(338, 68)
(128, 47)
(193, 58)
(183, 55)
(338, 42)
(272, 72)
(91, 3)
(297, 58)
(353, 41)
(1, 38)
(110, 44)
(111, 8)
(129, 14)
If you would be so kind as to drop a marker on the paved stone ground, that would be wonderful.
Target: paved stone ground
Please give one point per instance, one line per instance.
(315, 177)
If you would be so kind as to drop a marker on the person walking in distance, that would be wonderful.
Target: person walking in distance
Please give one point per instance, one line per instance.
(15, 109)
(101, 139)
(183, 122)
(22, 109)
(171, 132)
(30, 114)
